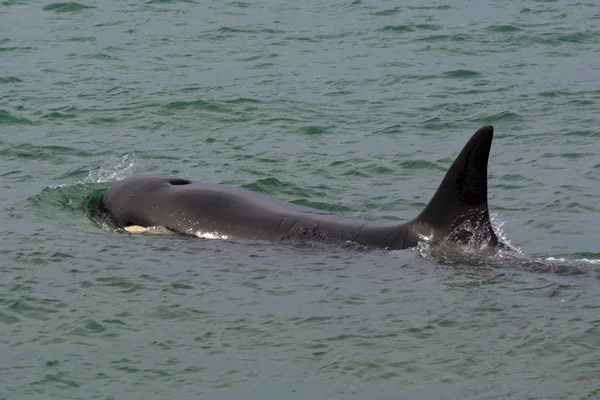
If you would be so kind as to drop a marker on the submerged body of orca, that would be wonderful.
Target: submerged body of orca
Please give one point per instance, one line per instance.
(458, 211)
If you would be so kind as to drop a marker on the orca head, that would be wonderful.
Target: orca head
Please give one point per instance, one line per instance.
(130, 201)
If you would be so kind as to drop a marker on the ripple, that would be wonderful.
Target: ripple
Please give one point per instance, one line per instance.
(410, 28)
(9, 79)
(500, 117)
(459, 37)
(461, 73)
(124, 285)
(196, 105)
(313, 130)
(35, 308)
(69, 7)
(236, 30)
(421, 165)
(60, 380)
(7, 118)
(177, 312)
(504, 28)
(391, 11)
(171, 1)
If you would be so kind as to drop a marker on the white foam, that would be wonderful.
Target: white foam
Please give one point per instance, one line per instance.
(583, 260)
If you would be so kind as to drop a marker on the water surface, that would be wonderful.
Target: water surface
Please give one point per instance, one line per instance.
(357, 107)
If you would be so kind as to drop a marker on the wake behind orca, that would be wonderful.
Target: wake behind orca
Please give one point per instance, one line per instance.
(457, 212)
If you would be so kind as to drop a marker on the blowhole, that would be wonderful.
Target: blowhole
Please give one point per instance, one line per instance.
(177, 181)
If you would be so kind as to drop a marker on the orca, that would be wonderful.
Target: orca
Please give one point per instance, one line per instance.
(457, 212)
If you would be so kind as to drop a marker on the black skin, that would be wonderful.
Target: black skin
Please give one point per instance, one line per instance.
(458, 211)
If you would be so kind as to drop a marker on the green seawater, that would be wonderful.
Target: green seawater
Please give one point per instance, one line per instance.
(355, 106)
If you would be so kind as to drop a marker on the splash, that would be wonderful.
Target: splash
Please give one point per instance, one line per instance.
(424, 245)
(478, 253)
(117, 169)
(498, 226)
(476, 250)
(210, 235)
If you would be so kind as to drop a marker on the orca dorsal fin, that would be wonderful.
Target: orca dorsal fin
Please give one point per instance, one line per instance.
(459, 208)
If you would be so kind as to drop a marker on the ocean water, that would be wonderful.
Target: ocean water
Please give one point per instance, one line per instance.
(356, 107)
